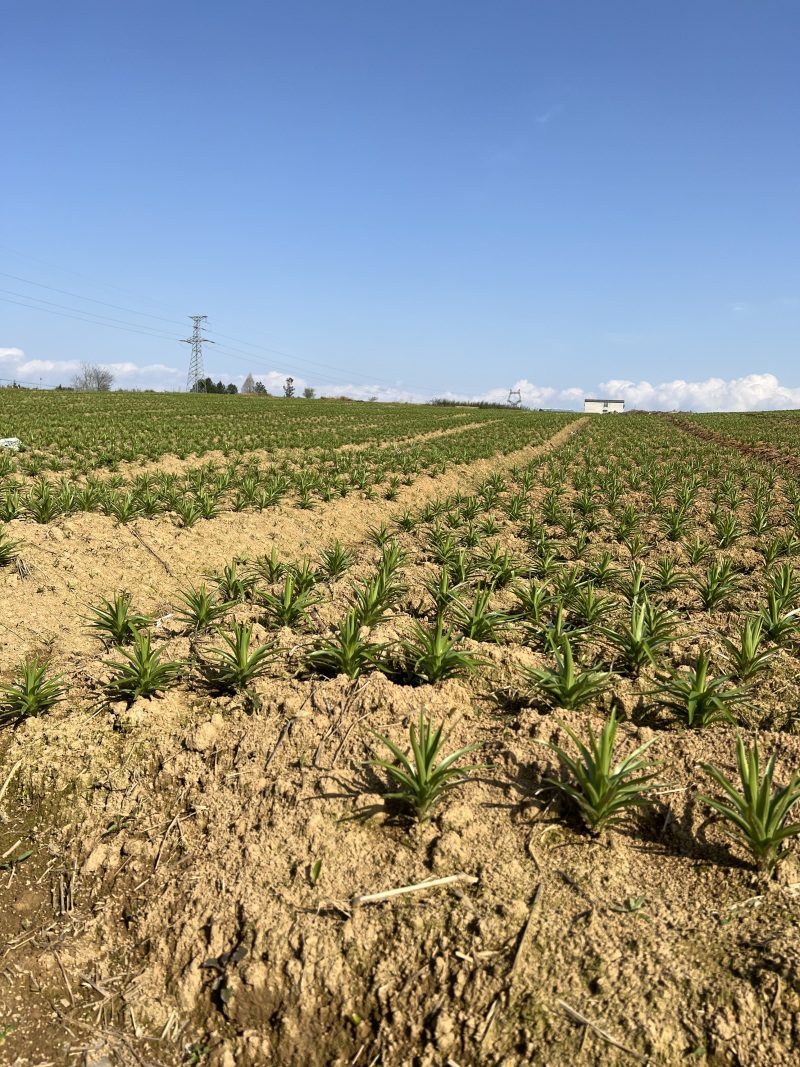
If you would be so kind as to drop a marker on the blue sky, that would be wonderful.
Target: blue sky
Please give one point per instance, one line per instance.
(411, 198)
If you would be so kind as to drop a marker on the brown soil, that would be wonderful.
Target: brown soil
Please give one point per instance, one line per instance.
(169, 912)
(761, 451)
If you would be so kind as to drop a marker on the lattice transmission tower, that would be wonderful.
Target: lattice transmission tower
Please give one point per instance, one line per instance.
(195, 381)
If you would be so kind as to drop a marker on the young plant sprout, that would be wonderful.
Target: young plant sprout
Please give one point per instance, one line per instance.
(533, 600)
(638, 641)
(374, 598)
(392, 559)
(142, 672)
(234, 667)
(425, 778)
(441, 590)
(346, 652)
(123, 506)
(335, 561)
(717, 585)
(115, 621)
(784, 584)
(8, 549)
(188, 511)
(778, 624)
(666, 576)
(477, 620)
(432, 655)
(305, 577)
(405, 521)
(291, 605)
(758, 813)
(499, 567)
(379, 536)
(590, 608)
(698, 698)
(269, 567)
(32, 692)
(200, 611)
(747, 657)
(605, 793)
(563, 685)
(232, 586)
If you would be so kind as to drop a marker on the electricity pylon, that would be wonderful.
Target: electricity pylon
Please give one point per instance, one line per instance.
(195, 381)
(514, 398)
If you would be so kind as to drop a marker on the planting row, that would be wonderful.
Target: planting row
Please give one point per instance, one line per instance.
(306, 479)
(673, 567)
(81, 432)
(604, 787)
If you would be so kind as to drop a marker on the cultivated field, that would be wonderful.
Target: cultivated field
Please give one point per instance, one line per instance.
(221, 618)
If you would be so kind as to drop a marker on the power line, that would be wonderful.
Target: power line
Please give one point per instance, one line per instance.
(90, 299)
(312, 363)
(251, 344)
(54, 268)
(327, 379)
(144, 331)
(300, 359)
(83, 316)
(93, 322)
(80, 311)
(18, 381)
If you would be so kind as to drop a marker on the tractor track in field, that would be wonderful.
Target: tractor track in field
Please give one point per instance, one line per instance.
(762, 452)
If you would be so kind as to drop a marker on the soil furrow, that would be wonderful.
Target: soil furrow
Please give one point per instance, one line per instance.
(762, 452)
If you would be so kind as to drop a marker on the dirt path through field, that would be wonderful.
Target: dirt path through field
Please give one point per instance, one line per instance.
(85, 557)
(431, 435)
(170, 464)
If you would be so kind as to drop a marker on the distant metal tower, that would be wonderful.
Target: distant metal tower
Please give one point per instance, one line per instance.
(195, 381)
(514, 398)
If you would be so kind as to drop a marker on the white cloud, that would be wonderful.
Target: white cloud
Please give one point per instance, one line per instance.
(386, 394)
(153, 376)
(50, 372)
(754, 392)
(14, 366)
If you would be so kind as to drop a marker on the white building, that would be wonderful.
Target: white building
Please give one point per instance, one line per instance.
(604, 407)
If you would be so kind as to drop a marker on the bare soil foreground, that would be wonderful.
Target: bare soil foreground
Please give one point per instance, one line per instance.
(183, 875)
